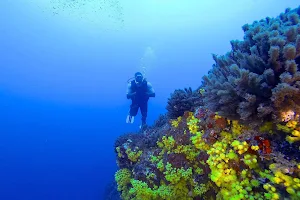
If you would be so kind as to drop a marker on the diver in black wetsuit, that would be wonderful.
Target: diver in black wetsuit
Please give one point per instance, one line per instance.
(139, 91)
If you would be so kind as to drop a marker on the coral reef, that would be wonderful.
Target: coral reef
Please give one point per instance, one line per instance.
(183, 100)
(259, 78)
(161, 121)
(237, 137)
(202, 155)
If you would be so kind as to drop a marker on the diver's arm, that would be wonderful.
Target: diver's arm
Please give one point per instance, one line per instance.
(150, 90)
(130, 94)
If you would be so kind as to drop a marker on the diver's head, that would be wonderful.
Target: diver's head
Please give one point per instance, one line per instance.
(138, 77)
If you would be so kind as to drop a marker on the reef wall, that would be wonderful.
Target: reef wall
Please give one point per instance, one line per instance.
(236, 137)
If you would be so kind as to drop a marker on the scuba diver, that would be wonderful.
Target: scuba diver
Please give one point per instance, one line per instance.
(139, 91)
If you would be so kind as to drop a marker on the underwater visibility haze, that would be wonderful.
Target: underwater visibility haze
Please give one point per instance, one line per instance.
(64, 71)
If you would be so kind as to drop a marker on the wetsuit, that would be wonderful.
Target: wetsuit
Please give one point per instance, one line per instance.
(142, 92)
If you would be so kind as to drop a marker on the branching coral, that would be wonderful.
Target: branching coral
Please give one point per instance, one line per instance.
(259, 78)
(183, 100)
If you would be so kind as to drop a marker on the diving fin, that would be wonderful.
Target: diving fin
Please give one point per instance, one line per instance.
(129, 119)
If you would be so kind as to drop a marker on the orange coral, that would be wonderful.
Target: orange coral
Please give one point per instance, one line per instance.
(264, 144)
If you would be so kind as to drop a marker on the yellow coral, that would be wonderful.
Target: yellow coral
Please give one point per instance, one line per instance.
(283, 128)
(251, 161)
(240, 147)
(198, 142)
(292, 124)
(291, 139)
(255, 148)
(236, 128)
(217, 116)
(167, 143)
(199, 171)
(232, 185)
(271, 192)
(119, 152)
(141, 190)
(279, 178)
(123, 177)
(192, 123)
(175, 174)
(266, 127)
(224, 156)
(201, 91)
(291, 127)
(189, 150)
(292, 184)
(175, 123)
(133, 155)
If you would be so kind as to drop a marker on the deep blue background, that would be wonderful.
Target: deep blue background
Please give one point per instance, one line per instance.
(63, 81)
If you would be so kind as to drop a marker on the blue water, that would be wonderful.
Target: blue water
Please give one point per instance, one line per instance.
(63, 76)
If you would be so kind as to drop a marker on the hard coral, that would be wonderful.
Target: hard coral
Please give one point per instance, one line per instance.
(259, 78)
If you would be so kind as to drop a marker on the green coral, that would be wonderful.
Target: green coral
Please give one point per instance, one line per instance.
(190, 151)
(240, 147)
(174, 175)
(166, 143)
(231, 183)
(192, 123)
(267, 127)
(175, 122)
(140, 190)
(251, 161)
(200, 189)
(123, 178)
(133, 155)
(160, 165)
(119, 152)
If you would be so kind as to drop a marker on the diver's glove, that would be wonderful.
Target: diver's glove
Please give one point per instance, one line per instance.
(131, 95)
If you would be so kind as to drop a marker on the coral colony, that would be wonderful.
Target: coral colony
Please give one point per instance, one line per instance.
(236, 137)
